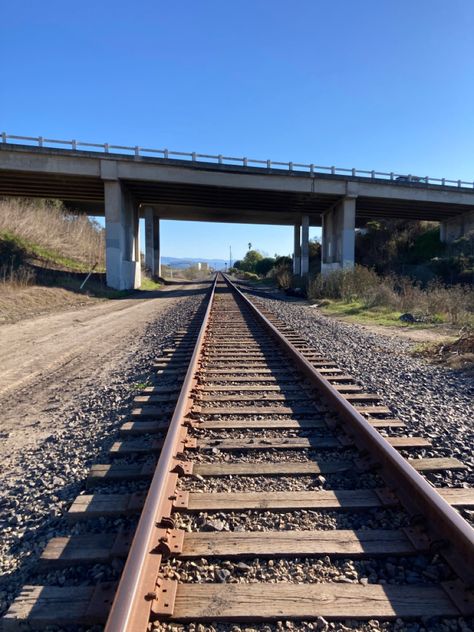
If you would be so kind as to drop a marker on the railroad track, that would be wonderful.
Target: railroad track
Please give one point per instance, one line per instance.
(278, 489)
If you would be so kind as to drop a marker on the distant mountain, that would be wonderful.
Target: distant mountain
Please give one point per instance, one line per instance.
(185, 262)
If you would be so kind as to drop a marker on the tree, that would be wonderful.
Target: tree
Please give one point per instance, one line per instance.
(314, 249)
(283, 260)
(250, 260)
(264, 266)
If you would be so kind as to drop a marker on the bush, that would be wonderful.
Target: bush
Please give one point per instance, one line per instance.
(263, 266)
(283, 276)
(435, 302)
(16, 276)
(249, 276)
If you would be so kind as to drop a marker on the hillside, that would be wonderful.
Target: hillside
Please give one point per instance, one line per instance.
(44, 255)
(414, 249)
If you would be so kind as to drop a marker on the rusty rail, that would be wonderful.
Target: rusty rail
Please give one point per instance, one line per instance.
(131, 606)
(139, 583)
(453, 535)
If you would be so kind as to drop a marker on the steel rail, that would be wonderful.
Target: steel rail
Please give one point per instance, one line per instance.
(455, 536)
(130, 611)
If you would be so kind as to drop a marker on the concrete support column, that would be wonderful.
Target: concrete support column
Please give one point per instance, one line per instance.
(136, 235)
(297, 250)
(152, 242)
(339, 236)
(456, 227)
(327, 239)
(348, 212)
(122, 238)
(442, 232)
(304, 245)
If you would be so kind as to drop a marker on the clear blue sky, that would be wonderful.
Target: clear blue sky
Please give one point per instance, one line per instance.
(376, 84)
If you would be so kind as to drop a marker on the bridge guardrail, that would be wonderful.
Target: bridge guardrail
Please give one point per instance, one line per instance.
(193, 156)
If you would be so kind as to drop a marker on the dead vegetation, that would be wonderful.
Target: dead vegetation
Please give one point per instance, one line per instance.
(458, 354)
(45, 254)
(433, 303)
(44, 229)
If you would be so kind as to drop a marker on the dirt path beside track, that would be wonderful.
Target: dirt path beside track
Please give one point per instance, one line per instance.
(45, 360)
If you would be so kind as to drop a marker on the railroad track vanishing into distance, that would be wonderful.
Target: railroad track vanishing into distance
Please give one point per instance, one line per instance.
(261, 484)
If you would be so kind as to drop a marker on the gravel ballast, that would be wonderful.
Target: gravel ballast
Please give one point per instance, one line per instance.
(38, 489)
(434, 402)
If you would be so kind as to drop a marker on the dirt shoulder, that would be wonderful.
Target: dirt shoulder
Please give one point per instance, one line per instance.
(44, 361)
(29, 302)
(418, 335)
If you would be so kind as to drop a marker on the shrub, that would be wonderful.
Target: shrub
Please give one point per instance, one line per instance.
(263, 266)
(16, 276)
(249, 276)
(454, 303)
(283, 276)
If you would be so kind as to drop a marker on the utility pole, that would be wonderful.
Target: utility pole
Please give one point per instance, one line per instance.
(230, 256)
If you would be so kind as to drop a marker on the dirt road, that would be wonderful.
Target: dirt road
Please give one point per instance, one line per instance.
(44, 360)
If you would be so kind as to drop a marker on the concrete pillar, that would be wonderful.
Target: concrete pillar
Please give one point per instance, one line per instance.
(442, 232)
(297, 250)
(339, 236)
(348, 212)
(456, 227)
(327, 238)
(152, 242)
(136, 235)
(304, 245)
(122, 241)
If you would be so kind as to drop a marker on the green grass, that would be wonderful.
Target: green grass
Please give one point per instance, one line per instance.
(58, 270)
(357, 312)
(265, 283)
(149, 285)
(48, 255)
(92, 288)
(140, 386)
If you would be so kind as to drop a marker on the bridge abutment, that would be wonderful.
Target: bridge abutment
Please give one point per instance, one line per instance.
(456, 227)
(122, 237)
(152, 242)
(338, 241)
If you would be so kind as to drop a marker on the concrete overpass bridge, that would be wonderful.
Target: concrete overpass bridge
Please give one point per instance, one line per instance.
(126, 183)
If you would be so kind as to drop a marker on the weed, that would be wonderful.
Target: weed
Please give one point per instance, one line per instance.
(364, 293)
(140, 386)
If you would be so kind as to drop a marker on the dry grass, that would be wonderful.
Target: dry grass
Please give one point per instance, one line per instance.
(456, 355)
(48, 225)
(16, 277)
(435, 303)
(18, 303)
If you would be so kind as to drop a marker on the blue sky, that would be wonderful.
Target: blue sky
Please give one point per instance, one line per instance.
(376, 84)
